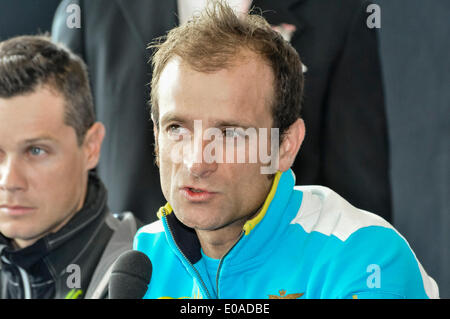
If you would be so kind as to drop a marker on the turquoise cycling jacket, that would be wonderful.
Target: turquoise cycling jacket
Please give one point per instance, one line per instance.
(306, 242)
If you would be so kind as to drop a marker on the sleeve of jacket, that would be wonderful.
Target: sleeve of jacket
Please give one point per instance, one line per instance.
(73, 37)
(356, 146)
(378, 263)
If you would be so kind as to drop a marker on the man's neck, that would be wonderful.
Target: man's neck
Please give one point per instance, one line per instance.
(216, 243)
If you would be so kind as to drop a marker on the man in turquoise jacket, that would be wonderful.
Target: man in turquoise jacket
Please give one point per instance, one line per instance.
(226, 88)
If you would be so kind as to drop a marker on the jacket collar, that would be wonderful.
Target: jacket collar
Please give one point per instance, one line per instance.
(258, 232)
(263, 232)
(144, 29)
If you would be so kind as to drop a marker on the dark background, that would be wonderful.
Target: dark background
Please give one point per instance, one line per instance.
(415, 53)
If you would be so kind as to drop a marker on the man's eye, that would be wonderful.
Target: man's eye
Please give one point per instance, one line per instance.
(36, 151)
(231, 132)
(177, 130)
(174, 129)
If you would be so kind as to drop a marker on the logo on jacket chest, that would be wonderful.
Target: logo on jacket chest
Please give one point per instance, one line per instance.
(282, 295)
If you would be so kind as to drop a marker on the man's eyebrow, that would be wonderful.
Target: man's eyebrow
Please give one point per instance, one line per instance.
(171, 117)
(39, 139)
(222, 123)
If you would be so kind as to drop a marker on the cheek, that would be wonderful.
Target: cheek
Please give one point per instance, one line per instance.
(166, 169)
(253, 188)
(61, 183)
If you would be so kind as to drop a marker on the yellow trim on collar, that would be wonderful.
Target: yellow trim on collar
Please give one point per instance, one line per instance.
(250, 224)
(168, 210)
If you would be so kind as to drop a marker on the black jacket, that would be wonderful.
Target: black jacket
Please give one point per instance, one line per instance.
(346, 143)
(45, 269)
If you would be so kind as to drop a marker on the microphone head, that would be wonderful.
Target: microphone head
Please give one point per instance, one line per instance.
(130, 276)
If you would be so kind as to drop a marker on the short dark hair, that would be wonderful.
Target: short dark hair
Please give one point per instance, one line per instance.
(28, 62)
(211, 41)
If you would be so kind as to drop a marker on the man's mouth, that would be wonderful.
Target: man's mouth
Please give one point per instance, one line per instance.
(195, 190)
(16, 210)
(197, 195)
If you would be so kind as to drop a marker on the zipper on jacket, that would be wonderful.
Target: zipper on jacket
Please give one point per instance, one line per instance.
(25, 280)
(184, 256)
(221, 262)
(26, 283)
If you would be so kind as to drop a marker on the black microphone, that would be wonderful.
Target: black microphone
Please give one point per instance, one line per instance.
(130, 276)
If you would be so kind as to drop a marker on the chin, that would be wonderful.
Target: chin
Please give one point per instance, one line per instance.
(199, 222)
(20, 234)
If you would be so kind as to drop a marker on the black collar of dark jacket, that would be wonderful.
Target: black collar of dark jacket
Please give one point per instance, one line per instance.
(185, 238)
(60, 247)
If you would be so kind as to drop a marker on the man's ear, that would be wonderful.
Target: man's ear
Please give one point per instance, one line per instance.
(92, 144)
(290, 144)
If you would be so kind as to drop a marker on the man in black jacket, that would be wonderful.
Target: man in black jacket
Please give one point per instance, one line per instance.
(346, 145)
(57, 236)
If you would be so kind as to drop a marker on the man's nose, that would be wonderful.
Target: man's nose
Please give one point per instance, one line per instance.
(11, 176)
(195, 161)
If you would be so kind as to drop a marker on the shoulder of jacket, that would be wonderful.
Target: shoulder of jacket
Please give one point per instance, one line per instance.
(153, 228)
(365, 236)
(323, 210)
(124, 226)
